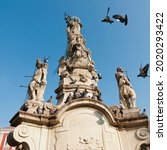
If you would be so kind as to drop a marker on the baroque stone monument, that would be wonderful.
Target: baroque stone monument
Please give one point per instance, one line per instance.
(80, 120)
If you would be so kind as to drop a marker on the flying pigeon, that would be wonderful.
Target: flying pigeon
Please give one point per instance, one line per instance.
(121, 19)
(107, 19)
(143, 71)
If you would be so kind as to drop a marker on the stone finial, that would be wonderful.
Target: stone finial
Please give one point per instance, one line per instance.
(71, 19)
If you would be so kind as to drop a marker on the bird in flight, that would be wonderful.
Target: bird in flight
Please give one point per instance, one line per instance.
(107, 19)
(143, 71)
(121, 19)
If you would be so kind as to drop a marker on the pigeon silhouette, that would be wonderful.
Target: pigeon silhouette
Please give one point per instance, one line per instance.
(50, 100)
(46, 60)
(107, 19)
(99, 76)
(121, 19)
(143, 112)
(143, 71)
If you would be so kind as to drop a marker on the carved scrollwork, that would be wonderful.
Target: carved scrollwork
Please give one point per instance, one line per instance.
(21, 138)
(87, 143)
(23, 131)
(143, 133)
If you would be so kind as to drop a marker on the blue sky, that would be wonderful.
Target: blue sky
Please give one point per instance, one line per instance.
(33, 28)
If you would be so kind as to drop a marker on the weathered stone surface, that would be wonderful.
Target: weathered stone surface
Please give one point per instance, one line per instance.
(127, 95)
(81, 124)
(76, 69)
(80, 120)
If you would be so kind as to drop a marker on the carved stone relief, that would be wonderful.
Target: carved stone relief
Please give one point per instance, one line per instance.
(22, 138)
(77, 66)
(144, 137)
(87, 143)
(143, 133)
(85, 129)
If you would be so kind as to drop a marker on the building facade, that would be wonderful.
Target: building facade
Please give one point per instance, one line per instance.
(3, 138)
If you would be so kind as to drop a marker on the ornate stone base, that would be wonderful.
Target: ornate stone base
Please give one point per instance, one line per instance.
(81, 124)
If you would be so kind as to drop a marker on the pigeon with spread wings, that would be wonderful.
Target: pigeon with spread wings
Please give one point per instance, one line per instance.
(107, 18)
(121, 19)
(143, 71)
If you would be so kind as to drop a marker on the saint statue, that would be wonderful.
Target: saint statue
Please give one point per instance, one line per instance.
(127, 94)
(38, 83)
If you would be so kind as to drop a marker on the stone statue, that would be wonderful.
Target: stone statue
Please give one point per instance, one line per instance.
(62, 69)
(73, 30)
(77, 54)
(76, 69)
(127, 95)
(35, 102)
(38, 83)
(43, 81)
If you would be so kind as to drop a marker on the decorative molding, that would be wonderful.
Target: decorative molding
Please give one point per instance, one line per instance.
(143, 133)
(23, 131)
(86, 143)
(22, 137)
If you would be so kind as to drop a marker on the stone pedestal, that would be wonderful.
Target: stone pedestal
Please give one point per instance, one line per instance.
(81, 124)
